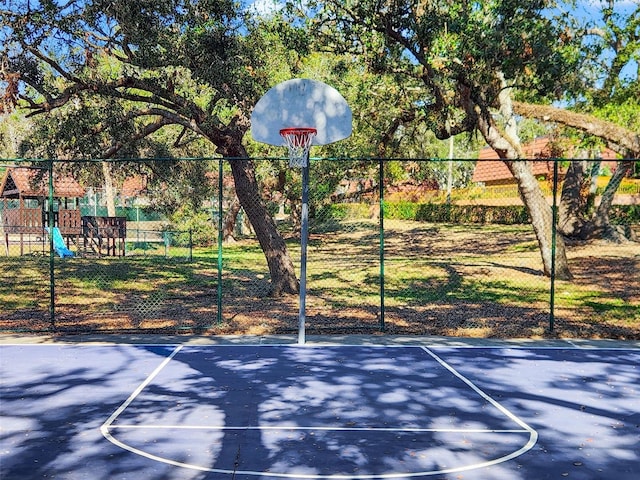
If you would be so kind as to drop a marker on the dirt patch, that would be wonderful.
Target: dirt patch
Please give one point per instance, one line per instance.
(468, 281)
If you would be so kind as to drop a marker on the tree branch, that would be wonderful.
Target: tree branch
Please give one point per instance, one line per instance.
(51, 103)
(620, 139)
(404, 118)
(144, 132)
(53, 64)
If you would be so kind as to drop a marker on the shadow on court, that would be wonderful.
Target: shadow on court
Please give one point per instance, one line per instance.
(316, 411)
(583, 403)
(259, 412)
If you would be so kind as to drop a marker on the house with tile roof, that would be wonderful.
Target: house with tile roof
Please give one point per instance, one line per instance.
(134, 187)
(33, 183)
(490, 170)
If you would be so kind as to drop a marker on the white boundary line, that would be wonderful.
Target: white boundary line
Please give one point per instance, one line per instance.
(533, 435)
(104, 429)
(568, 346)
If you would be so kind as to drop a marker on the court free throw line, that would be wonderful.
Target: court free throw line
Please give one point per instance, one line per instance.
(321, 428)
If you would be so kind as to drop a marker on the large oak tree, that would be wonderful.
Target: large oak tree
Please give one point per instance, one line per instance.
(194, 64)
(472, 60)
(603, 111)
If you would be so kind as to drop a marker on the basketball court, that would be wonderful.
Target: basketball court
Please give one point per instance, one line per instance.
(349, 408)
(260, 408)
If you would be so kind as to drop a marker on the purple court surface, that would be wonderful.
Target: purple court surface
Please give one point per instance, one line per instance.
(247, 411)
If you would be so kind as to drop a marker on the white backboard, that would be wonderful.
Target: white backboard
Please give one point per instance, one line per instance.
(301, 102)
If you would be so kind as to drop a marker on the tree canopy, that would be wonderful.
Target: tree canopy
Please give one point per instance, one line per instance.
(132, 69)
(139, 78)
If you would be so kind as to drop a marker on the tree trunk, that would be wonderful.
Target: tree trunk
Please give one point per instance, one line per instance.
(507, 145)
(229, 222)
(601, 217)
(575, 219)
(600, 223)
(108, 189)
(572, 204)
(541, 219)
(281, 269)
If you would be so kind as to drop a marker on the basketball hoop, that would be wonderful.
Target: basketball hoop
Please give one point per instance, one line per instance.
(298, 141)
(316, 105)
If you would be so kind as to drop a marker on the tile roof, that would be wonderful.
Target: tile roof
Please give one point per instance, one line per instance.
(24, 182)
(490, 169)
(496, 170)
(134, 186)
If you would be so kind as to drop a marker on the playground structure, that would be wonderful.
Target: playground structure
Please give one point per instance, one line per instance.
(104, 235)
(58, 243)
(27, 219)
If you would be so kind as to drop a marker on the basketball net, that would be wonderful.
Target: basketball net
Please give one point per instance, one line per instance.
(298, 141)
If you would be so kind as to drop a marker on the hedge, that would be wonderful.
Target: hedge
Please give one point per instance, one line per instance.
(447, 213)
(443, 213)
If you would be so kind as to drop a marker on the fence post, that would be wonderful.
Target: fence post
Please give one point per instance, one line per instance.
(381, 235)
(220, 238)
(554, 223)
(50, 222)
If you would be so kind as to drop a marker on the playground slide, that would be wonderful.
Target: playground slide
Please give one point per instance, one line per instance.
(58, 244)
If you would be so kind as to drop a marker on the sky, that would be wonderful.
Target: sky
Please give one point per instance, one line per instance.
(588, 10)
(585, 8)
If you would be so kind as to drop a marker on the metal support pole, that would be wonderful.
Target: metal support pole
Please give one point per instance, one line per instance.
(52, 281)
(304, 233)
(554, 224)
(381, 234)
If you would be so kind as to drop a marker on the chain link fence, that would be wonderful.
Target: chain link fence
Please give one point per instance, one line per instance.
(387, 254)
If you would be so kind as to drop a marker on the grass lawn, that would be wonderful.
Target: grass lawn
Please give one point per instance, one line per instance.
(478, 281)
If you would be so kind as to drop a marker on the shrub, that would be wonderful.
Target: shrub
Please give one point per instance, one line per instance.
(625, 214)
(196, 227)
(447, 213)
